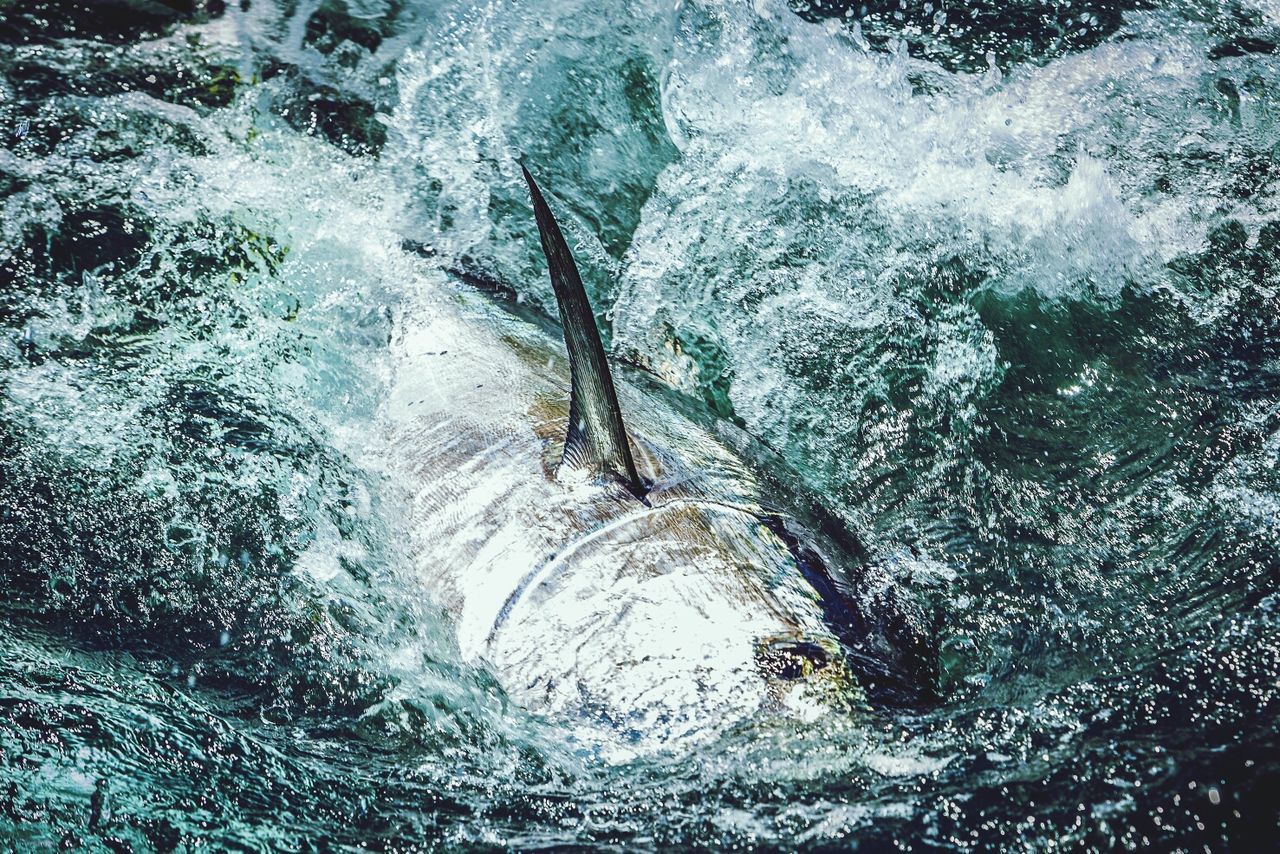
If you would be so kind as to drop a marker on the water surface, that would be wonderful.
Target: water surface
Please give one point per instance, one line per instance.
(996, 287)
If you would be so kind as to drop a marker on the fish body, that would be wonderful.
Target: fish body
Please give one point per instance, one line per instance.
(636, 577)
(650, 615)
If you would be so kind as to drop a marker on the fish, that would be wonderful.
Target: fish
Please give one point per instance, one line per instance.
(607, 556)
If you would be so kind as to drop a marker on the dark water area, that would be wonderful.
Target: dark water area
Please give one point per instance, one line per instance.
(997, 284)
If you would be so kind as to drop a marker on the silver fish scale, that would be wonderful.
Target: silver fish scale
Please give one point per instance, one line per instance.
(583, 600)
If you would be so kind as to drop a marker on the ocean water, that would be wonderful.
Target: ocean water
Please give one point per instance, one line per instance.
(994, 285)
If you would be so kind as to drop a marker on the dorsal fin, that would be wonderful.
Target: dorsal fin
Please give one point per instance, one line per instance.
(597, 439)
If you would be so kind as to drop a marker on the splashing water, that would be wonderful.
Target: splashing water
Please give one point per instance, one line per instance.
(997, 289)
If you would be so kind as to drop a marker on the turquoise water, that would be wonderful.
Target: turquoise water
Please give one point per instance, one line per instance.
(998, 289)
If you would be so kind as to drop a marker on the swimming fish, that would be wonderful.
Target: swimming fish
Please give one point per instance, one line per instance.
(605, 555)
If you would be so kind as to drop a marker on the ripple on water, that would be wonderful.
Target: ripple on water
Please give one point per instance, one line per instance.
(1010, 316)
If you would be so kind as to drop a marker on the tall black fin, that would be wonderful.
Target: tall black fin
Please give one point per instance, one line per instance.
(597, 439)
